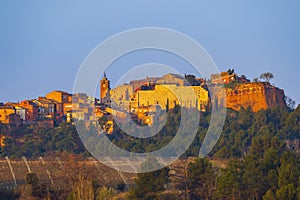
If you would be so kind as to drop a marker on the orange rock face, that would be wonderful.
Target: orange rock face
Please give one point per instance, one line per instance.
(258, 96)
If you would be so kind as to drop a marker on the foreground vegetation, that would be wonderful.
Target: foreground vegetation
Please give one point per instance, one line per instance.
(260, 163)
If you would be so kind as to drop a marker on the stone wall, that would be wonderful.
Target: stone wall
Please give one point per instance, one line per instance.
(171, 95)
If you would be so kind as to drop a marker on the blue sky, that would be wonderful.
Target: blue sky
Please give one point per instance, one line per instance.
(43, 43)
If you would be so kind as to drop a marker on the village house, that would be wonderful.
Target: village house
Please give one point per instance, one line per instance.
(9, 117)
(32, 110)
(228, 77)
(5, 111)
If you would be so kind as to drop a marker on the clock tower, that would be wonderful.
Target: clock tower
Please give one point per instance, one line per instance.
(105, 90)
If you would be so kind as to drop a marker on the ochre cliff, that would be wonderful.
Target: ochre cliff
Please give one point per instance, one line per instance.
(258, 96)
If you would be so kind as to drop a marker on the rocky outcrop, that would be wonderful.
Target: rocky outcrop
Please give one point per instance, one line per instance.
(258, 96)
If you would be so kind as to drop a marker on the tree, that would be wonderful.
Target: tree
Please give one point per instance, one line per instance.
(148, 185)
(266, 76)
(230, 71)
(287, 172)
(229, 183)
(77, 182)
(105, 193)
(269, 195)
(34, 186)
(255, 80)
(9, 195)
(191, 79)
(254, 178)
(287, 192)
(201, 179)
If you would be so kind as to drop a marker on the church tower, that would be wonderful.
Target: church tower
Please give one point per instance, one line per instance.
(105, 90)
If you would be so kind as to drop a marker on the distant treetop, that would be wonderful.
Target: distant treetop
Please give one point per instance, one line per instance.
(267, 76)
(230, 71)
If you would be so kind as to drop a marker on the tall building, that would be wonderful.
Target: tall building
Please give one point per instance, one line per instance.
(104, 90)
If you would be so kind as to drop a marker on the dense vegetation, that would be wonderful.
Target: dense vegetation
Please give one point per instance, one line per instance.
(241, 131)
(32, 141)
(260, 164)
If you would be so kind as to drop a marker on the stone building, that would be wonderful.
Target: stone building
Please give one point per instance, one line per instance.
(136, 84)
(31, 110)
(223, 78)
(174, 79)
(59, 96)
(22, 112)
(168, 96)
(46, 107)
(5, 111)
(121, 96)
(226, 77)
(9, 117)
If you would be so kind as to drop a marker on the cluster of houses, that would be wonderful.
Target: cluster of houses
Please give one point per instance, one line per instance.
(49, 111)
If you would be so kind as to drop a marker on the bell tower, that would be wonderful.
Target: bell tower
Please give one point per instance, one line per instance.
(104, 89)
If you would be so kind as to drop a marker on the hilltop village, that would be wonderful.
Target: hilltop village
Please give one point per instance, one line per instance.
(141, 99)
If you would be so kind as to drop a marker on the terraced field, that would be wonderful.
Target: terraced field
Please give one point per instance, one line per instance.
(56, 171)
